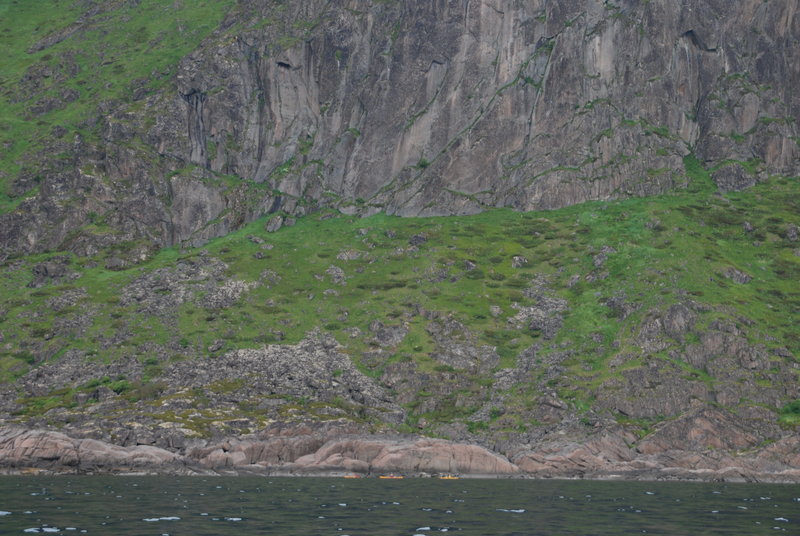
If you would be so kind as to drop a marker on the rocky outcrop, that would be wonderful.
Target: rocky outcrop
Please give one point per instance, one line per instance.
(331, 451)
(423, 108)
(315, 368)
(405, 456)
(45, 450)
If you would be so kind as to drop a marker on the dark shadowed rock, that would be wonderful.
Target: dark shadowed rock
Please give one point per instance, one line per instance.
(417, 240)
(54, 269)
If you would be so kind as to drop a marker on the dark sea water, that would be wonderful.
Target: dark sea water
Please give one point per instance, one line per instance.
(369, 506)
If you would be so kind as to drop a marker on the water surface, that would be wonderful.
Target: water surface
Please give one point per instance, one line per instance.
(330, 506)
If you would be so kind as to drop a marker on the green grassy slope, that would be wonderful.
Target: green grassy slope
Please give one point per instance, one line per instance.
(61, 59)
(668, 249)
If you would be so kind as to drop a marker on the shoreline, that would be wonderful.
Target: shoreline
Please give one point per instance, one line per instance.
(31, 472)
(50, 453)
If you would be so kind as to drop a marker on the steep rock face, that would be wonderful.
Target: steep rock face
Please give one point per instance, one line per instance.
(428, 108)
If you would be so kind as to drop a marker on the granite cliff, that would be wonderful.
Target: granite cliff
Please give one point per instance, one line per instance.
(407, 107)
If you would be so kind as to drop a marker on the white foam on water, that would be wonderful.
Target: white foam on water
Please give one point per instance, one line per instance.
(233, 519)
(342, 504)
(423, 528)
(153, 519)
(781, 519)
(512, 510)
(4, 513)
(204, 514)
(649, 493)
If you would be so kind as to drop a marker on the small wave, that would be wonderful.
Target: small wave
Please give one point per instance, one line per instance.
(512, 510)
(4, 513)
(233, 519)
(37, 530)
(781, 519)
(154, 519)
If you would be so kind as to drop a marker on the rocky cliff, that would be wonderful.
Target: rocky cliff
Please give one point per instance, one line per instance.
(407, 107)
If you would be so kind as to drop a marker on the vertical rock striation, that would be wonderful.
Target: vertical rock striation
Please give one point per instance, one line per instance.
(435, 108)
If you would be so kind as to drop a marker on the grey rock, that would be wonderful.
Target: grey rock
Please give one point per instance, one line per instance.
(738, 276)
(337, 275)
(273, 224)
(55, 269)
(733, 178)
(115, 263)
(678, 321)
(791, 233)
(348, 255)
(518, 261)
